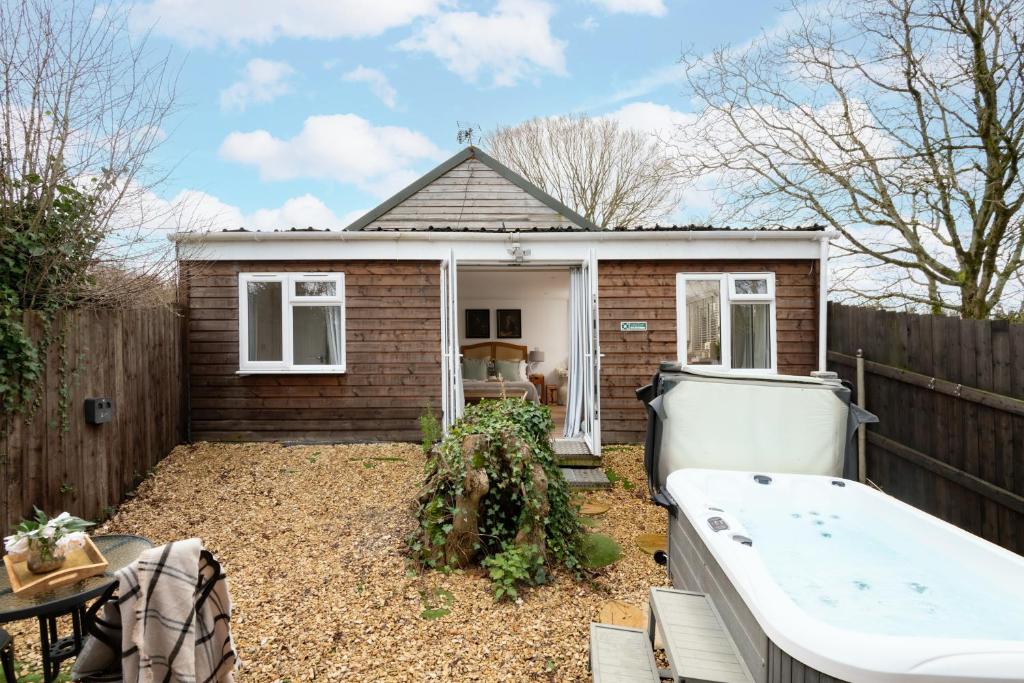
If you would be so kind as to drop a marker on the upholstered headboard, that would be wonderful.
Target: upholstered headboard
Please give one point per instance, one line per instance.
(495, 350)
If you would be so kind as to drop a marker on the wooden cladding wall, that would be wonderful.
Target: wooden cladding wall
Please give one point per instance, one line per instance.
(131, 356)
(472, 195)
(393, 340)
(646, 290)
(942, 446)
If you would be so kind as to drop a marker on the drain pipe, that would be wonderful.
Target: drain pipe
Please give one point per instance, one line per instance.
(862, 429)
(823, 304)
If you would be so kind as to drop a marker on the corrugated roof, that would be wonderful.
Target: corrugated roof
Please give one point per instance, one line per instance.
(512, 229)
(638, 228)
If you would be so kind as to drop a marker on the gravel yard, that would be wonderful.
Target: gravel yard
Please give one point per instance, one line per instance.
(312, 538)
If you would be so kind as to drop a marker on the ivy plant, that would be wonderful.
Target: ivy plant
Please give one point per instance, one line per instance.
(511, 504)
(514, 567)
(48, 241)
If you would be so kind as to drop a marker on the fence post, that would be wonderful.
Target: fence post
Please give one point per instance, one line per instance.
(862, 429)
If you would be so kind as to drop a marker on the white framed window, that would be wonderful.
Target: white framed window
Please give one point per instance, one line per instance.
(291, 322)
(726, 321)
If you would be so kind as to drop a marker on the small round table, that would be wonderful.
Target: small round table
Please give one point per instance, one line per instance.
(119, 551)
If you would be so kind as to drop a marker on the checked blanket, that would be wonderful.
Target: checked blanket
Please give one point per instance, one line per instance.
(173, 613)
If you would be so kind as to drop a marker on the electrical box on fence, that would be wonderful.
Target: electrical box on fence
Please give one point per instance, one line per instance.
(99, 410)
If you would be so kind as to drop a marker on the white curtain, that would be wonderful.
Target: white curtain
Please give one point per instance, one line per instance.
(750, 331)
(255, 315)
(577, 360)
(334, 332)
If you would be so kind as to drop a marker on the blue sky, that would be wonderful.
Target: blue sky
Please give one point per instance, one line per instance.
(312, 111)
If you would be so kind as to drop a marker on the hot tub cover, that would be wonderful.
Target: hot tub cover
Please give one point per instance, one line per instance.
(747, 421)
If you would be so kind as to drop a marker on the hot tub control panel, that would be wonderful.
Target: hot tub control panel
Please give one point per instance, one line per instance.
(717, 524)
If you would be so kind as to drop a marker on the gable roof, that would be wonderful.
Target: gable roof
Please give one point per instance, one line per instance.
(517, 204)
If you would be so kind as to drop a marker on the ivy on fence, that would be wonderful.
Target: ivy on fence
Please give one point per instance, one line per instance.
(48, 239)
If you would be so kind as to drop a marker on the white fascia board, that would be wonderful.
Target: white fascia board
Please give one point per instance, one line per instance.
(494, 247)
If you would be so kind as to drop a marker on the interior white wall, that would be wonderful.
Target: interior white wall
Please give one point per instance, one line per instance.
(543, 297)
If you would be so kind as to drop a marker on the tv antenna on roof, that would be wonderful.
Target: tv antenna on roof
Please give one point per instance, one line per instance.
(466, 132)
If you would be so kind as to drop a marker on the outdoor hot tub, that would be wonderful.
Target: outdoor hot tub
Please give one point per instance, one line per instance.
(819, 578)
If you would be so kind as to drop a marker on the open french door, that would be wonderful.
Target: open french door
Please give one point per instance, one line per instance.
(592, 358)
(451, 369)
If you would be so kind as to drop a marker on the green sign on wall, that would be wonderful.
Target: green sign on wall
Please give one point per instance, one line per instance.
(633, 326)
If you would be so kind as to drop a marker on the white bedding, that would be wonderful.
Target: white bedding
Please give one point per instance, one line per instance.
(531, 390)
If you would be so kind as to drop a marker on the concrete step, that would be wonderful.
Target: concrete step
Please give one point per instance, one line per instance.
(586, 478)
(574, 453)
(563, 446)
(581, 460)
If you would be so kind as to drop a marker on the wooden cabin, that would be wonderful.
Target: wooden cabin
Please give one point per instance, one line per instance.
(349, 335)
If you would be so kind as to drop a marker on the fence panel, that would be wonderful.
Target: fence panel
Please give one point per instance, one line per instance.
(949, 394)
(131, 356)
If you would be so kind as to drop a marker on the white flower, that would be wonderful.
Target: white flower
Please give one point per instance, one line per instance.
(17, 547)
(76, 539)
(60, 520)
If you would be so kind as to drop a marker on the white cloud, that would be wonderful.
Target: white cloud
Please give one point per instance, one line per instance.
(197, 211)
(655, 8)
(341, 147)
(211, 22)
(660, 77)
(589, 24)
(262, 80)
(659, 119)
(378, 82)
(697, 200)
(299, 212)
(511, 44)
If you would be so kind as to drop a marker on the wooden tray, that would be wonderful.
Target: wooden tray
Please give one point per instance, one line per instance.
(81, 563)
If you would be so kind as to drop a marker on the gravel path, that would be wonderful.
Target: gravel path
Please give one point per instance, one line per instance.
(311, 538)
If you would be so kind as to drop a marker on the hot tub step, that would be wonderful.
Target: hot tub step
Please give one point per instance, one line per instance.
(621, 655)
(697, 644)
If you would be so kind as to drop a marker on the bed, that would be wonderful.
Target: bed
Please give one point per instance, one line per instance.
(476, 389)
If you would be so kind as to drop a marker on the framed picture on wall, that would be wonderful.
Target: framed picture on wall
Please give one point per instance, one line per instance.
(510, 323)
(478, 323)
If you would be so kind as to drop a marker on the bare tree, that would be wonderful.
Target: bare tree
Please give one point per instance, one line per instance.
(83, 102)
(899, 123)
(612, 175)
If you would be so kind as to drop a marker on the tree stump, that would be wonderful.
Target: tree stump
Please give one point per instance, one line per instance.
(464, 538)
(533, 533)
(477, 480)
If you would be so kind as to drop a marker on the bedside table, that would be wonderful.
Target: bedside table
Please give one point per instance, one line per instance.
(538, 381)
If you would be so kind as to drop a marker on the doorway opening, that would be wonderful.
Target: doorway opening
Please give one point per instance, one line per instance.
(525, 331)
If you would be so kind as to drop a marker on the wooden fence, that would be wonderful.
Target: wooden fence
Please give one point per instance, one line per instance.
(949, 395)
(131, 356)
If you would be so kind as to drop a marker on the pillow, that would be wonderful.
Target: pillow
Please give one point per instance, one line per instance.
(510, 370)
(474, 368)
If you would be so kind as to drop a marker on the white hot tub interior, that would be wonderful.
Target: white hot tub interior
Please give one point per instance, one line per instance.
(853, 568)
(838, 572)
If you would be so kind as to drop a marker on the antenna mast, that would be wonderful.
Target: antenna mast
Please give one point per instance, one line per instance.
(466, 132)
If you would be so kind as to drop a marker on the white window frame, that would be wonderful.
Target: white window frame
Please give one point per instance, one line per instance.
(728, 296)
(289, 300)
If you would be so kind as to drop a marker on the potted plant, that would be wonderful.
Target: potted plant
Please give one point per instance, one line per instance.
(44, 542)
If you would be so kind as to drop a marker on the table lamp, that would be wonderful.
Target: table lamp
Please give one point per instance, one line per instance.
(534, 358)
